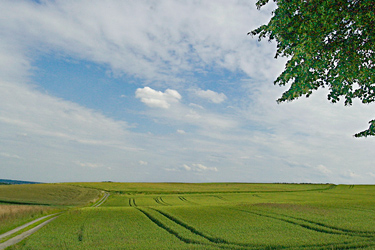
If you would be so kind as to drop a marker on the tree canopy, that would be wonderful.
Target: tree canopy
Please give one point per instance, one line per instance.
(328, 43)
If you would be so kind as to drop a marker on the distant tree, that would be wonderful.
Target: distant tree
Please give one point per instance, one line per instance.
(329, 43)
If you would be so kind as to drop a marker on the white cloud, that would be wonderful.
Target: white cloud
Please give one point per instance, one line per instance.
(88, 164)
(180, 131)
(323, 169)
(198, 168)
(186, 167)
(39, 114)
(193, 105)
(143, 163)
(211, 95)
(158, 99)
(7, 155)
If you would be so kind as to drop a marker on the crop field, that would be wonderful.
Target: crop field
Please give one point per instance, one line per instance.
(46, 194)
(20, 204)
(216, 216)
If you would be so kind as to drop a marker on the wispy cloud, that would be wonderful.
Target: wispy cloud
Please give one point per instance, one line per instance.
(39, 114)
(7, 155)
(89, 164)
(323, 169)
(150, 40)
(193, 168)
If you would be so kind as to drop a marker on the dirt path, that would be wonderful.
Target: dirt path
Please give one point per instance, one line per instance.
(23, 226)
(27, 233)
(23, 235)
(102, 200)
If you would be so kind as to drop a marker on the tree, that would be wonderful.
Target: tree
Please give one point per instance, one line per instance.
(329, 43)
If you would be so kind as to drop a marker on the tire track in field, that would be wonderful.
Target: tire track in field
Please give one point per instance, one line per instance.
(190, 228)
(182, 198)
(160, 201)
(165, 227)
(219, 197)
(314, 226)
(343, 230)
(212, 241)
(132, 202)
(233, 245)
(329, 227)
(344, 245)
(368, 241)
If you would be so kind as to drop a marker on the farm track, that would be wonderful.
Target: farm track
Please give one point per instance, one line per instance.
(101, 201)
(13, 231)
(23, 235)
(17, 238)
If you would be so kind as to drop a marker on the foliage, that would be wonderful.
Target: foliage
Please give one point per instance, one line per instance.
(329, 43)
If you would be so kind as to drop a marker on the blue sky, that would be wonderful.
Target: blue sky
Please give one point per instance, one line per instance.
(162, 91)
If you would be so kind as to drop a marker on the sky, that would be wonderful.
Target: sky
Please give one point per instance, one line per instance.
(162, 91)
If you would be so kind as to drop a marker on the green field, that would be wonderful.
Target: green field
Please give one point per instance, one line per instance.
(20, 204)
(216, 216)
(46, 194)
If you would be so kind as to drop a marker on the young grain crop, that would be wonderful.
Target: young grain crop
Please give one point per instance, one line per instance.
(217, 216)
(104, 228)
(47, 194)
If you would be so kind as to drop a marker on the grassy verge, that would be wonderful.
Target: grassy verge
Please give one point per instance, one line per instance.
(33, 225)
(12, 216)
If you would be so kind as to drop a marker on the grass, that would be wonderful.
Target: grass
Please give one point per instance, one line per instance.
(216, 216)
(20, 204)
(47, 194)
(12, 216)
(197, 188)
